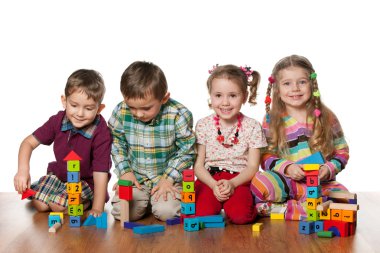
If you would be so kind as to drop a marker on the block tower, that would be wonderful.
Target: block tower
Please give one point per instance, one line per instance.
(74, 189)
(125, 195)
(188, 196)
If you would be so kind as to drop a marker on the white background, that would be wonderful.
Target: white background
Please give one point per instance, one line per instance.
(43, 42)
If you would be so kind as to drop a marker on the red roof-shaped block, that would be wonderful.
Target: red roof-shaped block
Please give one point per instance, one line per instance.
(27, 193)
(72, 156)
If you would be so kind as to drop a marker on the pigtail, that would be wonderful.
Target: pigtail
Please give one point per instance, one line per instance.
(253, 84)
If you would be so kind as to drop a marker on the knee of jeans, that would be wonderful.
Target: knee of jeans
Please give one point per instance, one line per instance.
(165, 211)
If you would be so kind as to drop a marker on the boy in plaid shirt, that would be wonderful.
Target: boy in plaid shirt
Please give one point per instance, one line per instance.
(153, 142)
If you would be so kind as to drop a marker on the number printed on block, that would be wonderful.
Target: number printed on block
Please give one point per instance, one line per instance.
(188, 186)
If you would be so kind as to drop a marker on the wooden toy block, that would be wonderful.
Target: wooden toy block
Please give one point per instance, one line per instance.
(101, 221)
(183, 216)
(214, 224)
(188, 175)
(125, 192)
(188, 186)
(306, 227)
(60, 214)
(278, 213)
(188, 197)
(124, 211)
(131, 225)
(339, 228)
(345, 201)
(74, 188)
(90, 221)
(73, 166)
(316, 158)
(311, 173)
(325, 215)
(308, 167)
(188, 208)
(74, 221)
(73, 177)
(351, 228)
(313, 215)
(348, 215)
(53, 219)
(324, 206)
(28, 193)
(343, 206)
(342, 195)
(312, 181)
(211, 218)
(257, 227)
(191, 224)
(314, 192)
(173, 221)
(148, 229)
(318, 226)
(122, 182)
(73, 199)
(313, 203)
(336, 214)
(55, 227)
(325, 234)
(75, 210)
(72, 156)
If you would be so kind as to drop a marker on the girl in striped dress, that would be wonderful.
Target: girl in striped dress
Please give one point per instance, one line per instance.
(297, 125)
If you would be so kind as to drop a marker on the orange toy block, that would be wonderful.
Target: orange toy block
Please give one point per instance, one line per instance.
(336, 214)
(348, 215)
(188, 197)
(74, 199)
(74, 188)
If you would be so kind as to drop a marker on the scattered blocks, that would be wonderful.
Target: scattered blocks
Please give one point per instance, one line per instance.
(214, 224)
(325, 234)
(131, 225)
(101, 221)
(257, 227)
(148, 229)
(191, 224)
(278, 213)
(306, 227)
(90, 221)
(173, 221)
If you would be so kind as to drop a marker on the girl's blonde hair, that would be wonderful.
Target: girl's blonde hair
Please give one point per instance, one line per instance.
(322, 136)
(242, 76)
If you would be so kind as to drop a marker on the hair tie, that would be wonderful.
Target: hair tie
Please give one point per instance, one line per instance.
(271, 80)
(248, 72)
(213, 69)
(313, 76)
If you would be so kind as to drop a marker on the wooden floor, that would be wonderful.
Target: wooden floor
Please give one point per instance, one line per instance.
(24, 230)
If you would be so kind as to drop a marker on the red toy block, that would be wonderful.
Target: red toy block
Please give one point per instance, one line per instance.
(309, 173)
(188, 175)
(312, 180)
(339, 228)
(125, 192)
(27, 193)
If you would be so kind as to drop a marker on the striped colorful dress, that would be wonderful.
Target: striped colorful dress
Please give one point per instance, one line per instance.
(273, 186)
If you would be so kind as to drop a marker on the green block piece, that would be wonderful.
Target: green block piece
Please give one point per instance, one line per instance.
(326, 234)
(124, 182)
(75, 210)
(188, 186)
(73, 166)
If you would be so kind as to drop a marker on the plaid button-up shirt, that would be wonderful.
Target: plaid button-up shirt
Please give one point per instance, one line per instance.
(161, 148)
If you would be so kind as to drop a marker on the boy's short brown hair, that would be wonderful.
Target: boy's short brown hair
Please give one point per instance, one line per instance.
(141, 79)
(88, 80)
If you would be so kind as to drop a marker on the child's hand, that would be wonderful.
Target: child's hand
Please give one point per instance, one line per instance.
(295, 172)
(324, 173)
(95, 212)
(21, 181)
(218, 195)
(226, 187)
(127, 176)
(164, 187)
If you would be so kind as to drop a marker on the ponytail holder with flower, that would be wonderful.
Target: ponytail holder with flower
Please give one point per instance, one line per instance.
(248, 72)
(213, 69)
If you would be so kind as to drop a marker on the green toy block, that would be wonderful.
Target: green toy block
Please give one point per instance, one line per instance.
(188, 186)
(326, 234)
(124, 182)
(73, 166)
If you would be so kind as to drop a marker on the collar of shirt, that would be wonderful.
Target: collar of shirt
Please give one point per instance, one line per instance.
(86, 132)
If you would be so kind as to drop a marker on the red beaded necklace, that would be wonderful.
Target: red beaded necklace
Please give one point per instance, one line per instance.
(220, 137)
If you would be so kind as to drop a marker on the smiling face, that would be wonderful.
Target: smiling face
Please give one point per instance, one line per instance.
(226, 99)
(80, 109)
(294, 87)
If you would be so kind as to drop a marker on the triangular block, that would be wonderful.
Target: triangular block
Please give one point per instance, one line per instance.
(72, 156)
(90, 221)
(315, 158)
(27, 193)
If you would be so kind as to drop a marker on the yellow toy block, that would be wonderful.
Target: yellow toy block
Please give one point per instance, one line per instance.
(73, 166)
(348, 215)
(188, 197)
(74, 199)
(60, 215)
(336, 214)
(325, 215)
(278, 213)
(257, 227)
(74, 188)
(313, 203)
(188, 186)
(311, 167)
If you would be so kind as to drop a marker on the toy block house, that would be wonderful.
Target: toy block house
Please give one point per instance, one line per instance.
(74, 189)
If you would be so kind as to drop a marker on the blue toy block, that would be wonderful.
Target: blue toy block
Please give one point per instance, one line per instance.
(314, 192)
(173, 221)
(316, 158)
(191, 224)
(131, 225)
(73, 177)
(75, 221)
(214, 224)
(306, 227)
(54, 219)
(148, 229)
(318, 226)
(101, 221)
(90, 221)
(187, 208)
(211, 218)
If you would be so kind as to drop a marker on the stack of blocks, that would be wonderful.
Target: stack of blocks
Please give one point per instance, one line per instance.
(187, 194)
(326, 219)
(125, 195)
(74, 189)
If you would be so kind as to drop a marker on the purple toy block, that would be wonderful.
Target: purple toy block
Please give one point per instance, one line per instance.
(173, 221)
(131, 225)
